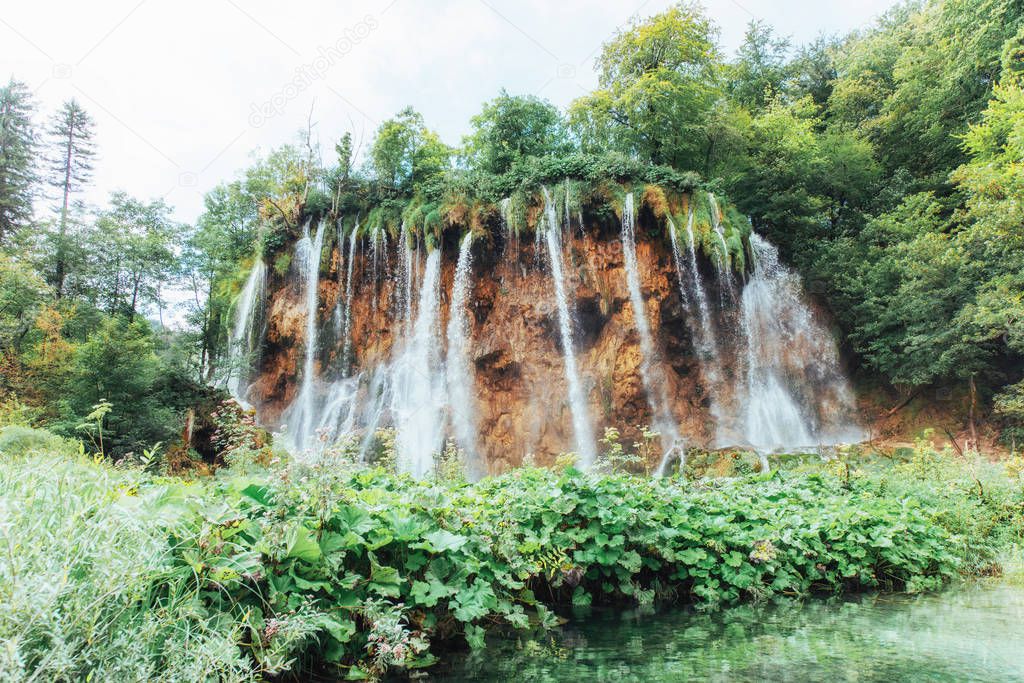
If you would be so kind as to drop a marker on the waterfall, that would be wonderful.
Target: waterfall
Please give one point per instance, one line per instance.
(795, 393)
(347, 332)
(303, 410)
(460, 374)
(418, 385)
(716, 226)
(405, 279)
(654, 386)
(338, 315)
(723, 262)
(511, 236)
(243, 339)
(340, 410)
(585, 445)
(691, 284)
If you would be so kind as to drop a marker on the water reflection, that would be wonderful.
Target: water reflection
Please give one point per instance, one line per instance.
(972, 633)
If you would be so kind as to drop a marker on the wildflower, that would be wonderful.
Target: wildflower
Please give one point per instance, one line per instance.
(763, 551)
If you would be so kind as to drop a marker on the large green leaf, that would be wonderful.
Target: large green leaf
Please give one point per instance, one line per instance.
(302, 545)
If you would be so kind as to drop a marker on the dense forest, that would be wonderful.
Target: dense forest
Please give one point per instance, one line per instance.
(152, 530)
(884, 163)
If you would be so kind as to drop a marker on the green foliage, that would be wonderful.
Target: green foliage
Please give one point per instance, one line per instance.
(511, 128)
(1009, 406)
(18, 145)
(405, 153)
(22, 293)
(658, 79)
(136, 256)
(92, 591)
(118, 364)
(20, 440)
(759, 71)
(357, 570)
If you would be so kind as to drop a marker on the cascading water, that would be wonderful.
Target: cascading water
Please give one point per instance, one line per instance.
(347, 331)
(724, 270)
(340, 409)
(771, 373)
(460, 375)
(584, 436)
(692, 288)
(406, 277)
(511, 236)
(303, 416)
(417, 387)
(338, 316)
(654, 387)
(243, 340)
(795, 393)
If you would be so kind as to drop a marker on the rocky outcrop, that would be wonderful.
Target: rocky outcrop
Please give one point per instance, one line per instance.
(518, 368)
(521, 393)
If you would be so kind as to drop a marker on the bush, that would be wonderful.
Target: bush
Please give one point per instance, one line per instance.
(352, 571)
(118, 364)
(18, 440)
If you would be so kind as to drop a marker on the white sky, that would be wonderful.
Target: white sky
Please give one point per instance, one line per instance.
(174, 86)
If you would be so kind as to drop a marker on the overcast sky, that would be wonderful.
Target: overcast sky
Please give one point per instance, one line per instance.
(183, 92)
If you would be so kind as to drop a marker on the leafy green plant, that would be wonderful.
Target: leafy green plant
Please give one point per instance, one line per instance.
(93, 424)
(355, 571)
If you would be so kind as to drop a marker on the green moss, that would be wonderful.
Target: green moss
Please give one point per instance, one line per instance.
(282, 262)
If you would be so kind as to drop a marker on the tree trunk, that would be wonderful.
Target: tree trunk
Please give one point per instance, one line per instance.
(971, 415)
(135, 298)
(61, 255)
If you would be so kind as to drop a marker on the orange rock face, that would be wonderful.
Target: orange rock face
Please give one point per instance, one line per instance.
(518, 367)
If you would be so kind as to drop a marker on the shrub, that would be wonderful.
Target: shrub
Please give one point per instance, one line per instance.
(327, 565)
(18, 440)
(118, 364)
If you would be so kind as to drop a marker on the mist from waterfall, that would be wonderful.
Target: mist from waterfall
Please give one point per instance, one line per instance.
(457, 365)
(654, 386)
(244, 337)
(418, 396)
(794, 393)
(302, 414)
(586, 447)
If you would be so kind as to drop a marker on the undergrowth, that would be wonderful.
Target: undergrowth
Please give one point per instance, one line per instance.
(112, 573)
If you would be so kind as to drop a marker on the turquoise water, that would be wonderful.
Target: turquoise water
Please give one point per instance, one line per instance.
(970, 633)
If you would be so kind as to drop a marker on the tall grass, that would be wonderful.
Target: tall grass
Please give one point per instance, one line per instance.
(87, 586)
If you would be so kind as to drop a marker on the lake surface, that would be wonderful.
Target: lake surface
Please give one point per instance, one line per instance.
(973, 632)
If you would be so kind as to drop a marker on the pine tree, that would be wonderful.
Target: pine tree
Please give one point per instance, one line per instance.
(70, 167)
(17, 149)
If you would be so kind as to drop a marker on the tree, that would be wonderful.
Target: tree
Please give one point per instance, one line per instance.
(134, 256)
(812, 72)
(118, 364)
(932, 295)
(758, 73)
(22, 292)
(658, 80)
(17, 151)
(70, 166)
(915, 83)
(776, 182)
(405, 153)
(509, 128)
(847, 178)
(344, 151)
